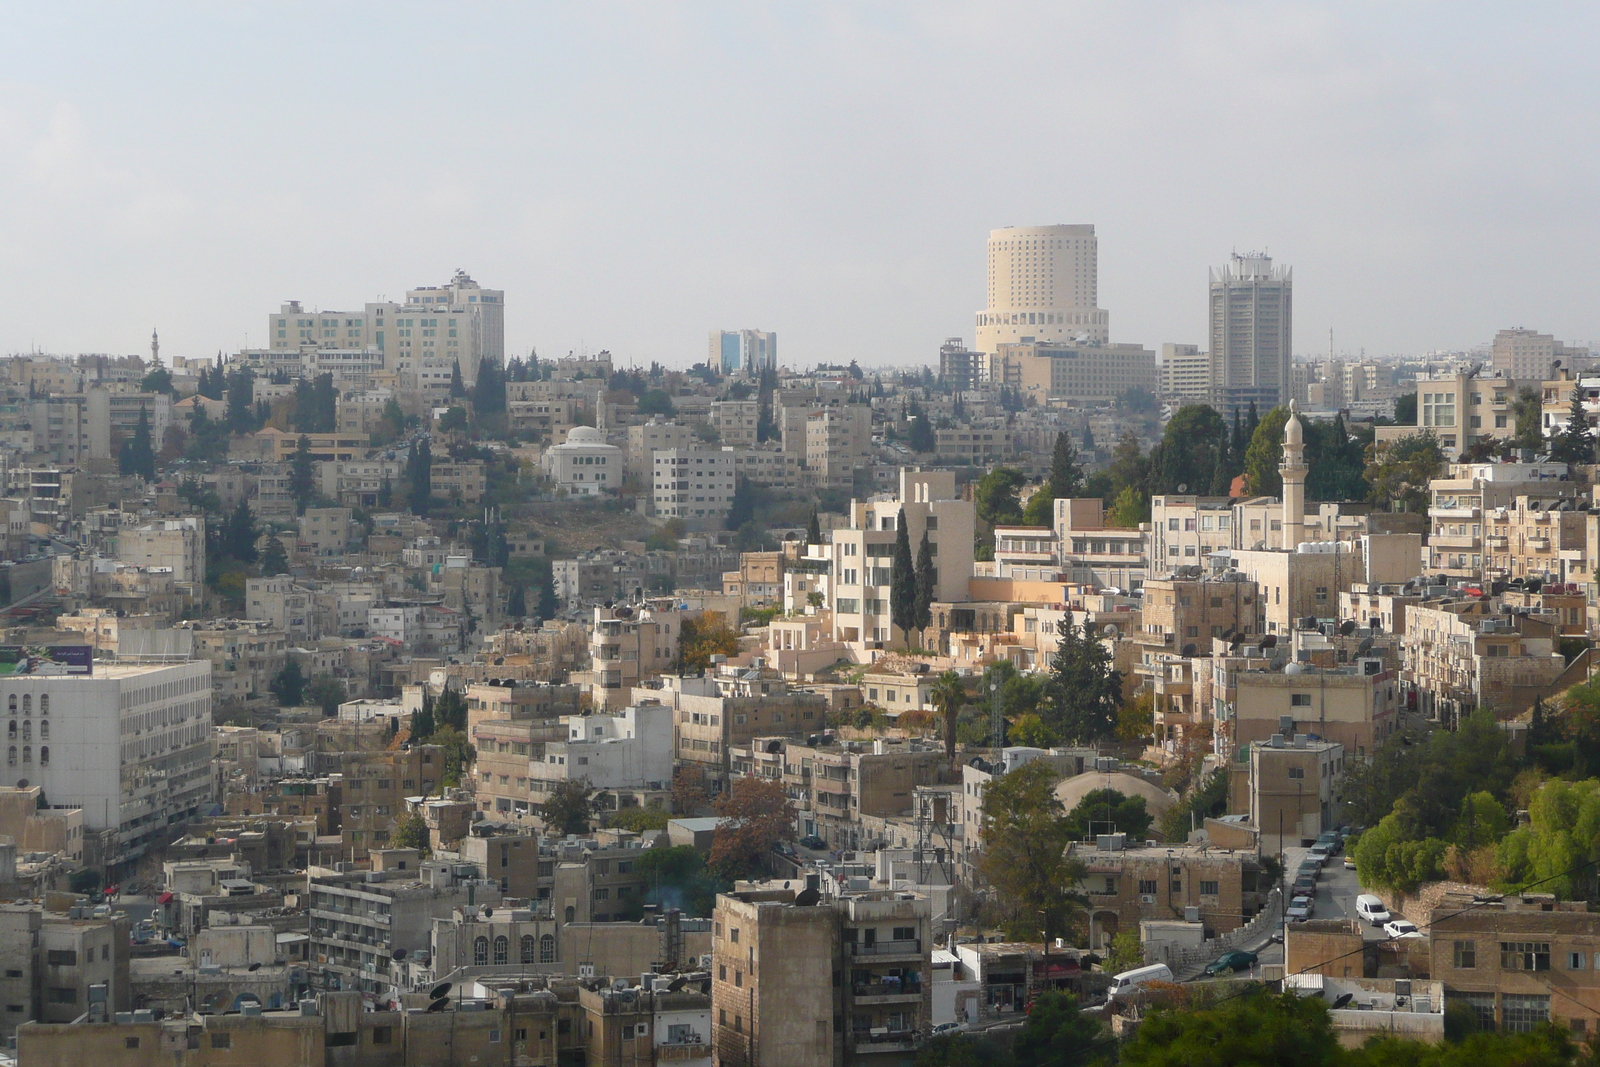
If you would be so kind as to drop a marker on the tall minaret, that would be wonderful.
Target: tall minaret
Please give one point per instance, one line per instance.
(1294, 480)
(155, 349)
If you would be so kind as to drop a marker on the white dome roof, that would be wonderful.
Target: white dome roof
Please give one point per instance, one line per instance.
(1293, 432)
(585, 435)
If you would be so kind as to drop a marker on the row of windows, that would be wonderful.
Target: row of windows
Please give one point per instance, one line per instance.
(27, 730)
(27, 703)
(27, 755)
(502, 950)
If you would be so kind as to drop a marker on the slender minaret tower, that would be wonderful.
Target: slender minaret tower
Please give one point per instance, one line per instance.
(1294, 480)
(155, 349)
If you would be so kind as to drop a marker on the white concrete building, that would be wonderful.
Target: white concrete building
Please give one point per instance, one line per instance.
(1185, 373)
(130, 745)
(584, 464)
(693, 483)
(179, 544)
(1252, 332)
(1043, 286)
(629, 750)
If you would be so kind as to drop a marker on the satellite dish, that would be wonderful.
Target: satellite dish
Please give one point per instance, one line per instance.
(254, 967)
(1364, 647)
(786, 885)
(807, 898)
(1270, 641)
(488, 912)
(439, 1005)
(398, 955)
(439, 991)
(1344, 999)
(1347, 627)
(1183, 487)
(1190, 649)
(677, 984)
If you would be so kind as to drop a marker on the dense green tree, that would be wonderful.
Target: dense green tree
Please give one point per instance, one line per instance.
(1258, 1030)
(920, 436)
(756, 815)
(1337, 462)
(1238, 442)
(1085, 690)
(239, 533)
(1405, 409)
(1264, 455)
(1399, 471)
(995, 496)
(1106, 811)
(949, 696)
(1222, 471)
(656, 402)
(1132, 507)
(289, 685)
(454, 420)
(1129, 468)
(410, 831)
(422, 723)
(1559, 847)
(1088, 440)
(742, 508)
(1057, 1034)
(419, 477)
(927, 585)
(903, 582)
(1575, 443)
(814, 529)
(138, 455)
(275, 560)
(327, 693)
(1528, 417)
(1023, 854)
(677, 878)
(1193, 436)
(394, 420)
(568, 808)
(240, 417)
(386, 492)
(451, 709)
(489, 391)
(302, 475)
(456, 388)
(1066, 474)
(517, 602)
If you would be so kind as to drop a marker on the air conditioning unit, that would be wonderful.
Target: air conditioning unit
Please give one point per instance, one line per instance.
(1147, 898)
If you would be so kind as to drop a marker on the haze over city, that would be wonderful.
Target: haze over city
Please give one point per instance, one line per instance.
(634, 177)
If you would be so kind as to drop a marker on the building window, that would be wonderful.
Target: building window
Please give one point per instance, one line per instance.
(480, 951)
(1524, 1012)
(1297, 772)
(547, 949)
(1147, 887)
(1576, 960)
(502, 951)
(1525, 956)
(1465, 955)
(525, 949)
(221, 1040)
(1299, 700)
(1208, 889)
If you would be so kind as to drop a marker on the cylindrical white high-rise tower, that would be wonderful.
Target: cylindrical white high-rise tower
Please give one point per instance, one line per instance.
(1043, 286)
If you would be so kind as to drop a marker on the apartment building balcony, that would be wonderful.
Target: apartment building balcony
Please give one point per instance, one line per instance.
(1444, 540)
(1538, 544)
(886, 991)
(885, 950)
(679, 1051)
(1496, 542)
(1468, 512)
(881, 1039)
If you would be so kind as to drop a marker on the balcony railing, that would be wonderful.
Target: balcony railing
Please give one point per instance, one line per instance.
(884, 1040)
(886, 948)
(886, 987)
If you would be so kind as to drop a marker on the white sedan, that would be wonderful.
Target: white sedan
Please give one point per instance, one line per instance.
(1401, 928)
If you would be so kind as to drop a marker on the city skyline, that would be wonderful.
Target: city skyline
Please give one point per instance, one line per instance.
(600, 204)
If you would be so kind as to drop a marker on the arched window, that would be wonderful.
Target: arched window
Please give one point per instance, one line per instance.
(526, 946)
(11, 730)
(502, 951)
(12, 703)
(44, 704)
(11, 756)
(44, 755)
(480, 951)
(27, 702)
(571, 913)
(547, 949)
(44, 729)
(27, 729)
(27, 753)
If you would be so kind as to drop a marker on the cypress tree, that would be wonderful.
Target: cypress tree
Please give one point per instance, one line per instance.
(903, 582)
(922, 615)
(814, 529)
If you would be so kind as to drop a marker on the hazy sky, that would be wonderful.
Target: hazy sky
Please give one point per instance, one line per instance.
(636, 175)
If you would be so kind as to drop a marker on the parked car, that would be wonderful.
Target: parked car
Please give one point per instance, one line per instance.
(813, 842)
(1128, 981)
(1401, 928)
(1371, 909)
(946, 1028)
(1349, 864)
(1321, 853)
(1237, 960)
(1305, 885)
(1300, 909)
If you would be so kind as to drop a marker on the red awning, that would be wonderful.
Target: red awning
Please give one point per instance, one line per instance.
(164, 897)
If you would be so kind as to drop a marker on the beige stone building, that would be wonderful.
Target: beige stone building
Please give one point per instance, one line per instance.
(1536, 538)
(1530, 355)
(1462, 409)
(1461, 654)
(1044, 372)
(1043, 284)
(1291, 788)
(1128, 885)
(1356, 706)
(1182, 615)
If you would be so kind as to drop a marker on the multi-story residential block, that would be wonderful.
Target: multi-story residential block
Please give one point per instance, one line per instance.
(1094, 554)
(735, 420)
(632, 642)
(862, 553)
(1464, 654)
(1185, 373)
(1461, 504)
(646, 438)
(465, 481)
(176, 543)
(1127, 883)
(245, 656)
(1381, 608)
(1461, 409)
(628, 754)
(838, 439)
(1292, 788)
(282, 604)
(709, 723)
(1530, 355)
(360, 918)
(693, 484)
(369, 790)
(1182, 615)
(1533, 537)
(60, 966)
(743, 351)
(325, 532)
(129, 745)
(979, 441)
(1355, 705)
(774, 962)
(959, 367)
(835, 786)
(759, 579)
(1518, 961)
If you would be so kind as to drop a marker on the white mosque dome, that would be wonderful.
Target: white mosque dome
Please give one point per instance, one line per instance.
(584, 435)
(1293, 432)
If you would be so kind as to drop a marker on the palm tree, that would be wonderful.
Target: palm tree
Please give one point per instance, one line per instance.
(949, 695)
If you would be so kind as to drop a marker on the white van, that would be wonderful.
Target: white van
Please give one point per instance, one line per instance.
(1371, 909)
(1128, 981)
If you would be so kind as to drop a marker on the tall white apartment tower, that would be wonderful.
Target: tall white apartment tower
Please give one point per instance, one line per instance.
(1252, 332)
(1044, 286)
